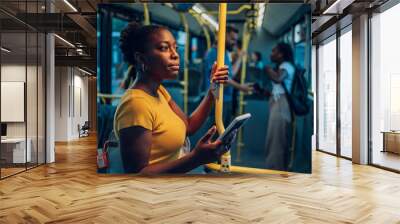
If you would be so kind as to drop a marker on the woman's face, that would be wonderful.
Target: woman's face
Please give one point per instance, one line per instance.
(275, 55)
(161, 56)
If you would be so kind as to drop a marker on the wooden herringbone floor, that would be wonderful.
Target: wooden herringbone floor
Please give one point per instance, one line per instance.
(70, 191)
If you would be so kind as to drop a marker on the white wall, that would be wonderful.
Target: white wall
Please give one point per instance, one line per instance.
(12, 73)
(61, 103)
(33, 127)
(71, 102)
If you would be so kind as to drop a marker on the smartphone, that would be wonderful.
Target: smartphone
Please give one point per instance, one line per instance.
(228, 137)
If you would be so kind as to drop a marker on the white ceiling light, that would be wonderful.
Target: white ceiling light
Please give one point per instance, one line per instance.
(260, 14)
(169, 5)
(5, 50)
(65, 41)
(70, 5)
(200, 10)
(79, 51)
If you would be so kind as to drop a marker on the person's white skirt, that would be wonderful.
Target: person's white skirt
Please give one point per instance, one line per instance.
(278, 140)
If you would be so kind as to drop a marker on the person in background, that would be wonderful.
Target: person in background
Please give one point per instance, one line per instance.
(278, 138)
(237, 59)
(150, 127)
(211, 57)
(256, 60)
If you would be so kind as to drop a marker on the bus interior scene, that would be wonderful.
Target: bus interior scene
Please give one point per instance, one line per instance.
(258, 30)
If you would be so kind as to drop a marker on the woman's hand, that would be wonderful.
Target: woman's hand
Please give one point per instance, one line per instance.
(269, 71)
(247, 88)
(276, 76)
(207, 151)
(220, 75)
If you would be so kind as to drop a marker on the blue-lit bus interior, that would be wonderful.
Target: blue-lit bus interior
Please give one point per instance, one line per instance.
(289, 23)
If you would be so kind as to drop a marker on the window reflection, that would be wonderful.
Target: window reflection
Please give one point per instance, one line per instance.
(346, 94)
(385, 84)
(327, 97)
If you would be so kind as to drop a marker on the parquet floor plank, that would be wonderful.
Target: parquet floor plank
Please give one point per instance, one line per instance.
(70, 191)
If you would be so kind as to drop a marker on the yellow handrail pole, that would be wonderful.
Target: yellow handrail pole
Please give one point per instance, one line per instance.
(202, 24)
(226, 158)
(146, 14)
(220, 62)
(245, 45)
(104, 96)
(108, 96)
(145, 22)
(126, 74)
(233, 12)
(207, 36)
(185, 63)
(248, 170)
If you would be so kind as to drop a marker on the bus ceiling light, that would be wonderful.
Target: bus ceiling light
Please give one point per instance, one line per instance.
(260, 14)
(201, 11)
(210, 20)
(70, 5)
(169, 5)
(5, 50)
(64, 40)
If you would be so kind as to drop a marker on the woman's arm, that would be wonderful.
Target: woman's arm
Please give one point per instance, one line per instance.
(276, 76)
(197, 118)
(135, 143)
(236, 65)
(242, 87)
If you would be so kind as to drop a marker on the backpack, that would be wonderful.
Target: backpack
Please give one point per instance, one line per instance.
(298, 98)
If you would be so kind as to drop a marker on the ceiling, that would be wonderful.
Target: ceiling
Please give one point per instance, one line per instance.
(81, 26)
(164, 14)
(277, 16)
(16, 43)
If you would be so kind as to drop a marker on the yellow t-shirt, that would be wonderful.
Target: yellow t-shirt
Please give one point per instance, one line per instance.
(137, 108)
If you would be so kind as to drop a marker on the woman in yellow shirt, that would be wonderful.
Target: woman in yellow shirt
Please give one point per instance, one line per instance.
(150, 126)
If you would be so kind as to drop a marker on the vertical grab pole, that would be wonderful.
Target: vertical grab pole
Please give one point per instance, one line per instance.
(226, 158)
(203, 27)
(145, 22)
(220, 62)
(185, 63)
(245, 45)
(146, 14)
